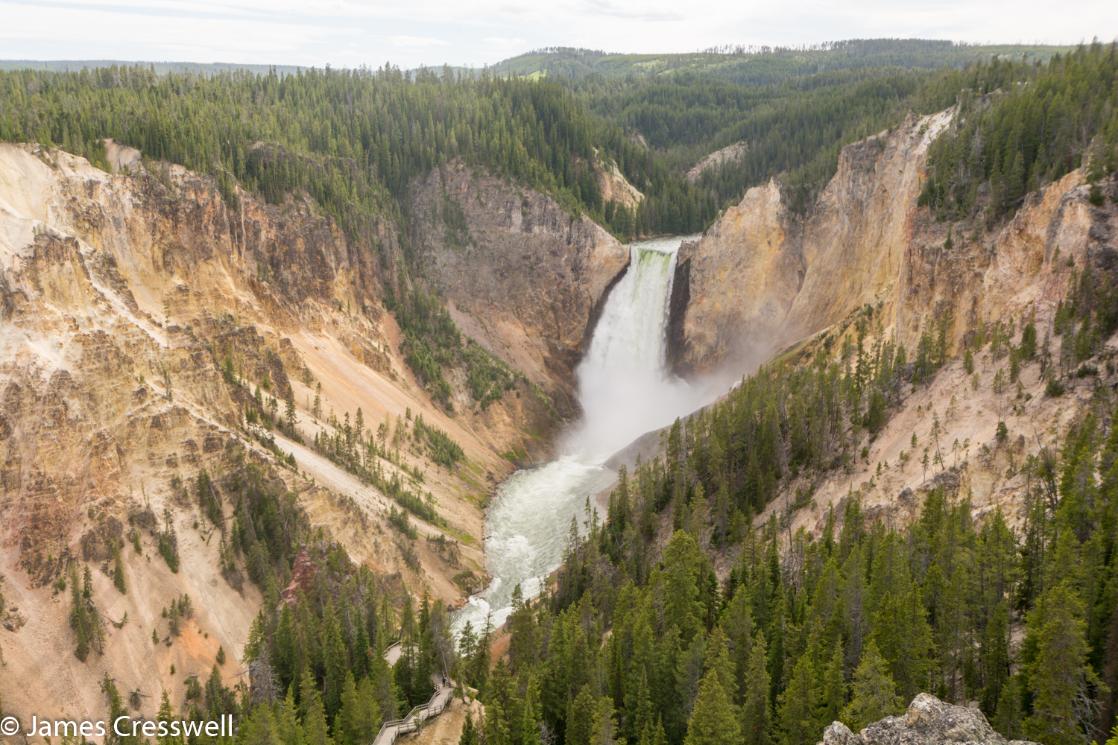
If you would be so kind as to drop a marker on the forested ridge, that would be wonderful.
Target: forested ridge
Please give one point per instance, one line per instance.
(794, 128)
(352, 139)
(1009, 142)
(763, 65)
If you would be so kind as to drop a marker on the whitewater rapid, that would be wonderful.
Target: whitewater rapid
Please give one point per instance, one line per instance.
(626, 390)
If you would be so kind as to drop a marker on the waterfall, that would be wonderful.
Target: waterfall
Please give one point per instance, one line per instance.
(624, 384)
(626, 390)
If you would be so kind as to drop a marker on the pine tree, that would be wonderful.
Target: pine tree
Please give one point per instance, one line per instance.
(118, 572)
(604, 729)
(1009, 713)
(166, 714)
(335, 661)
(580, 718)
(737, 623)
(994, 657)
(530, 722)
(833, 689)
(713, 719)
(312, 714)
(873, 692)
(757, 709)
(85, 620)
(469, 734)
(798, 704)
(353, 722)
(1058, 676)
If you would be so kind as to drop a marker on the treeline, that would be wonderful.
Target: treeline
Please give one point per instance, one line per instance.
(353, 139)
(1009, 143)
(763, 65)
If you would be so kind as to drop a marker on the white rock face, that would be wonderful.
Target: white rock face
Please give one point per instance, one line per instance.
(928, 721)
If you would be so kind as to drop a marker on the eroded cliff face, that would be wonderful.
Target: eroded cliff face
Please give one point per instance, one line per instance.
(762, 278)
(140, 317)
(740, 279)
(521, 275)
(868, 265)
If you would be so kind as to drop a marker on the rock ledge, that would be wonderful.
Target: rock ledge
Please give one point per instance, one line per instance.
(928, 721)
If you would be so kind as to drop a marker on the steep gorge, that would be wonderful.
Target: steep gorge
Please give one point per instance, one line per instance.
(149, 323)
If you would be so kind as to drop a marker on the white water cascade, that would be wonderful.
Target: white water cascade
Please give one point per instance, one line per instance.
(625, 390)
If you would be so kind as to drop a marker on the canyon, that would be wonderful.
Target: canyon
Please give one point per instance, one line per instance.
(143, 312)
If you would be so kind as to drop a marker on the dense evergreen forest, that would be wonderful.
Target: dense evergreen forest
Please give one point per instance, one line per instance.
(764, 65)
(1013, 140)
(796, 127)
(640, 642)
(354, 140)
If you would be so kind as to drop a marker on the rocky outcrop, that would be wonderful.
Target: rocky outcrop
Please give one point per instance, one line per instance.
(762, 278)
(732, 153)
(928, 721)
(521, 275)
(615, 187)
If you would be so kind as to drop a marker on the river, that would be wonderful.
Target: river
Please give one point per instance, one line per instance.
(626, 390)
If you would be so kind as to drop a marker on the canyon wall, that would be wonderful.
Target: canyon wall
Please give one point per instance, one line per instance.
(521, 275)
(143, 316)
(866, 264)
(761, 278)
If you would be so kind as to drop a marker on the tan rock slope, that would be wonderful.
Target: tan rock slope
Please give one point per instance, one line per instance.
(140, 315)
(762, 277)
(867, 262)
(732, 153)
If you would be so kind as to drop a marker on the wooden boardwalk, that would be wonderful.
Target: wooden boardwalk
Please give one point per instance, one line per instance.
(415, 719)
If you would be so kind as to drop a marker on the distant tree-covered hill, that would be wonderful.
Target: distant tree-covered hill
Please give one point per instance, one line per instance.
(766, 65)
(199, 68)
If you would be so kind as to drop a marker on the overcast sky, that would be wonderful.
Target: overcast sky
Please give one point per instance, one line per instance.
(410, 33)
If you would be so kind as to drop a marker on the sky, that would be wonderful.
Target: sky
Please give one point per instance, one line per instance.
(411, 33)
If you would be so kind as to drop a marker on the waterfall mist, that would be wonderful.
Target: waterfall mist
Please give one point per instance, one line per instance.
(626, 390)
(625, 386)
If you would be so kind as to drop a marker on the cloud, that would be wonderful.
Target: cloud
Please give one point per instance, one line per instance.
(431, 32)
(633, 12)
(407, 40)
